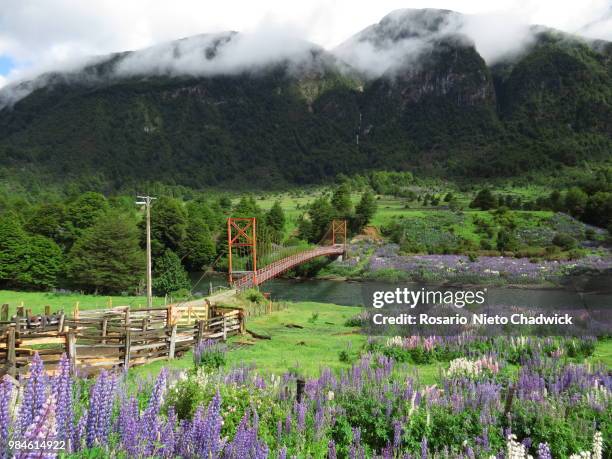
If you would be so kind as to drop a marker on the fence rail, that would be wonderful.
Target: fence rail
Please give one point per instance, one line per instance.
(112, 337)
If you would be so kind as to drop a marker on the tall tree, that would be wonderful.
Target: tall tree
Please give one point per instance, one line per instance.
(13, 246)
(41, 263)
(364, 211)
(85, 209)
(107, 258)
(198, 248)
(484, 200)
(169, 275)
(321, 213)
(168, 225)
(341, 201)
(575, 201)
(275, 218)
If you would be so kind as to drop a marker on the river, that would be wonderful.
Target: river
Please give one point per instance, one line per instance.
(352, 293)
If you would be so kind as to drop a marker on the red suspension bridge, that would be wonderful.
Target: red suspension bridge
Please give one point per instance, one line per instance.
(255, 257)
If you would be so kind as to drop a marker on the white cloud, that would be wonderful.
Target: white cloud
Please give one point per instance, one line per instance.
(42, 35)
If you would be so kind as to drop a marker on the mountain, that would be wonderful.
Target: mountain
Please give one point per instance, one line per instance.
(411, 92)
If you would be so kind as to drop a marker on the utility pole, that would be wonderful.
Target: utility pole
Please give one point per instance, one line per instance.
(146, 201)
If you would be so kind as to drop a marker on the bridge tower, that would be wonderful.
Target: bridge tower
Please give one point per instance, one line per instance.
(339, 232)
(242, 232)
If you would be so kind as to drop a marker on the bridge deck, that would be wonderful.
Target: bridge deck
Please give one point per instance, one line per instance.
(274, 269)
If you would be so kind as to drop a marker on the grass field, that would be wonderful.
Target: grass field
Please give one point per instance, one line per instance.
(315, 346)
(305, 350)
(36, 301)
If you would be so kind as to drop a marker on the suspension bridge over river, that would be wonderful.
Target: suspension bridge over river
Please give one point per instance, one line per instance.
(255, 257)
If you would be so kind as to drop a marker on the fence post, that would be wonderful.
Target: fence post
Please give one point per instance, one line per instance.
(201, 328)
(47, 310)
(11, 356)
(127, 347)
(169, 316)
(75, 311)
(104, 329)
(71, 350)
(172, 344)
(224, 328)
(4, 314)
(242, 319)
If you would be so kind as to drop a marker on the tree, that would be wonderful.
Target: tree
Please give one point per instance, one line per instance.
(575, 201)
(599, 209)
(275, 218)
(49, 220)
(41, 263)
(320, 213)
(168, 226)
(107, 258)
(13, 246)
(365, 210)
(84, 210)
(198, 247)
(341, 201)
(505, 240)
(484, 200)
(169, 275)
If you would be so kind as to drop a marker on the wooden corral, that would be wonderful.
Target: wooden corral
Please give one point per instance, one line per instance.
(113, 337)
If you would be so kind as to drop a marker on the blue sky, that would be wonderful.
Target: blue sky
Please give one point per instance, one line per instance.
(6, 64)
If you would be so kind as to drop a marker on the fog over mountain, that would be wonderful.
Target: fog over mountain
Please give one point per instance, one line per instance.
(428, 90)
(399, 39)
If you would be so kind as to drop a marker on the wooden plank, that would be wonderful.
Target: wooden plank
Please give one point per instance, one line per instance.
(172, 343)
(4, 312)
(104, 329)
(126, 351)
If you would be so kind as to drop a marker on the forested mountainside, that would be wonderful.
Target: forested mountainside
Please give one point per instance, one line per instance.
(302, 119)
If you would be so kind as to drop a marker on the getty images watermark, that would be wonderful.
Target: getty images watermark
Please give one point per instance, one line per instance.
(409, 310)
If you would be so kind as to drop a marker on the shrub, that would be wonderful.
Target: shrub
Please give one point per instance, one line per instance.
(564, 240)
(253, 295)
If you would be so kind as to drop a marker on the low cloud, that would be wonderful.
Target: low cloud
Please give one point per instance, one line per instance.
(225, 53)
(400, 38)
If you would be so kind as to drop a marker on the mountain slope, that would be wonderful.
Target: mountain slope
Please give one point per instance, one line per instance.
(411, 92)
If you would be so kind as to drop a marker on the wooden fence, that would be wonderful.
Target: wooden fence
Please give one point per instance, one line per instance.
(113, 337)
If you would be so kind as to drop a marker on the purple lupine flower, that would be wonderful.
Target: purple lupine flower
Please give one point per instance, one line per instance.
(279, 430)
(78, 433)
(331, 450)
(397, 434)
(41, 429)
(168, 435)
(34, 395)
(63, 394)
(6, 394)
(288, 423)
(300, 409)
(246, 444)
(205, 430)
(127, 424)
(544, 451)
(282, 454)
(101, 399)
(424, 452)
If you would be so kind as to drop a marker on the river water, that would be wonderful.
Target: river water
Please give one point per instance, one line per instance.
(352, 293)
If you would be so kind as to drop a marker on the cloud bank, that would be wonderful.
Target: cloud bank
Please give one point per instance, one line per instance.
(60, 35)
